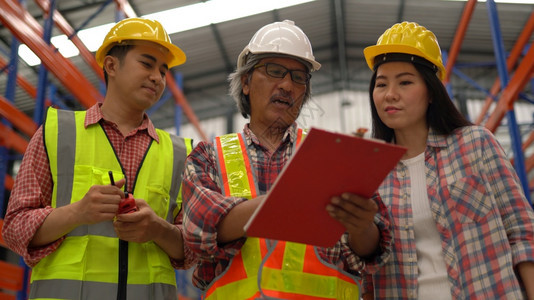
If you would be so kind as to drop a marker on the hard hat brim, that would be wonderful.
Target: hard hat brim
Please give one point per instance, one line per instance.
(241, 59)
(177, 56)
(373, 51)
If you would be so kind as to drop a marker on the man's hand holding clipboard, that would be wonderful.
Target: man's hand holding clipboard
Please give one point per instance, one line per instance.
(326, 165)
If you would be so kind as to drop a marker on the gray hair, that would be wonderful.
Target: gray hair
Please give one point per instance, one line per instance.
(236, 88)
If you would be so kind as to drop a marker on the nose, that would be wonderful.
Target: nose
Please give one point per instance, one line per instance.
(286, 83)
(155, 76)
(392, 94)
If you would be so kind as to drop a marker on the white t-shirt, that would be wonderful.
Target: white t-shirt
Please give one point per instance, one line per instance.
(432, 280)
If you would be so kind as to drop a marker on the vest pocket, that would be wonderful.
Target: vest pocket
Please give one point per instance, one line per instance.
(87, 176)
(67, 262)
(158, 200)
(101, 176)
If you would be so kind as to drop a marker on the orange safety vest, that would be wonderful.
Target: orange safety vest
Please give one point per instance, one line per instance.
(271, 268)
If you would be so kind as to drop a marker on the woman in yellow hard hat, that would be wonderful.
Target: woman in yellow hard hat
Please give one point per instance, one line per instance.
(463, 227)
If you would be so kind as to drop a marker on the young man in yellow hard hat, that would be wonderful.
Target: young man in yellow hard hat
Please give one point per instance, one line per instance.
(270, 85)
(63, 216)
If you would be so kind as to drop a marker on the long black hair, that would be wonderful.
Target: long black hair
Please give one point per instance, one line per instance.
(442, 115)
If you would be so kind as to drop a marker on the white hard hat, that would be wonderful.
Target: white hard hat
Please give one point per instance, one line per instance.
(280, 38)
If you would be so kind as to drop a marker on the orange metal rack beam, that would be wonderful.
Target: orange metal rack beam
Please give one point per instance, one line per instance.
(509, 95)
(180, 99)
(125, 7)
(512, 59)
(2, 243)
(10, 139)
(520, 78)
(29, 32)
(8, 182)
(25, 84)
(65, 27)
(16, 117)
(459, 37)
(529, 161)
(15, 138)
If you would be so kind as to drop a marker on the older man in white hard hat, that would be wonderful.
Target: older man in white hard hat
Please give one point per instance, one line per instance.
(225, 181)
(64, 214)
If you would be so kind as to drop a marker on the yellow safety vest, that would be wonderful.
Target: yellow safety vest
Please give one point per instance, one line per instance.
(269, 268)
(85, 266)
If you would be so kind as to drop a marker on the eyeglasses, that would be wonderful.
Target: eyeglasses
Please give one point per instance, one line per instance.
(278, 71)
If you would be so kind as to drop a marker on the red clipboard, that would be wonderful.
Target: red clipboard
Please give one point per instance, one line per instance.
(326, 164)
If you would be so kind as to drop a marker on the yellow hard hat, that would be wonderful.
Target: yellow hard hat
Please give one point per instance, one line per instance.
(139, 29)
(407, 38)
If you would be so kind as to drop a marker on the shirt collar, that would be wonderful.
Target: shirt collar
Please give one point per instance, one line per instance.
(436, 140)
(94, 115)
(289, 135)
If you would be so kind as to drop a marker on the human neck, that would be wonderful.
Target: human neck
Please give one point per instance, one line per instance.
(125, 118)
(415, 141)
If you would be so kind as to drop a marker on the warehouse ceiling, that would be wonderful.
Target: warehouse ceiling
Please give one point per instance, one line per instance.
(339, 30)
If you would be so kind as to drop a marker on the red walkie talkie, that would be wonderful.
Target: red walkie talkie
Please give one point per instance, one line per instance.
(127, 204)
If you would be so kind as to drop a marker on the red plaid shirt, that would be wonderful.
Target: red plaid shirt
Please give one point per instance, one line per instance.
(31, 196)
(485, 223)
(204, 207)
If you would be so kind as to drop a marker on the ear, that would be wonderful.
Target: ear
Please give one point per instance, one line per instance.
(111, 63)
(244, 84)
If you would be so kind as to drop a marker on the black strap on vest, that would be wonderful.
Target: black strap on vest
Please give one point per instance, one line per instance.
(123, 270)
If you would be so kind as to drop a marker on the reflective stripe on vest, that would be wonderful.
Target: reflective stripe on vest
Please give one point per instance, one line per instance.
(237, 168)
(86, 263)
(284, 270)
